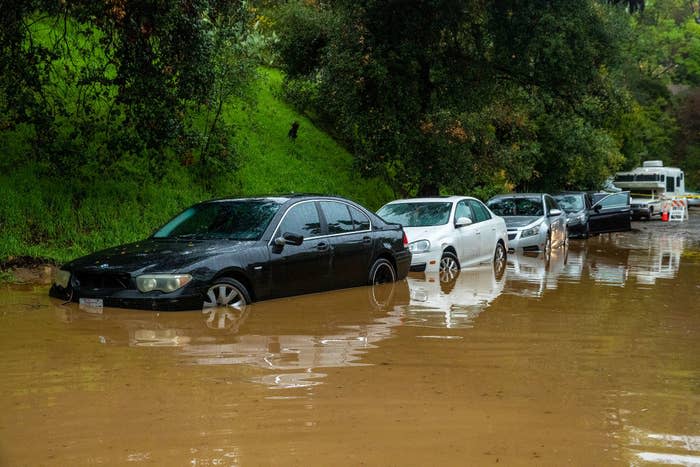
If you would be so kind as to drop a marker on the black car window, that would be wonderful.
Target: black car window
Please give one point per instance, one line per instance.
(614, 201)
(234, 220)
(360, 219)
(337, 216)
(551, 204)
(480, 211)
(301, 219)
(571, 202)
(464, 210)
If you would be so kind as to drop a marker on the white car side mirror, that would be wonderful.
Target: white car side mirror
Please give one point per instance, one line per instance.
(462, 221)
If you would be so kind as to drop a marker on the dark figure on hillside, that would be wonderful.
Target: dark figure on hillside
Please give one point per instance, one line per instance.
(633, 5)
(293, 131)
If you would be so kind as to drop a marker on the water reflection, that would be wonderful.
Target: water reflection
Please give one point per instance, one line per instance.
(452, 302)
(530, 274)
(299, 333)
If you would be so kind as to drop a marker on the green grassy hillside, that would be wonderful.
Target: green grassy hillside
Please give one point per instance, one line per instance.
(57, 219)
(272, 163)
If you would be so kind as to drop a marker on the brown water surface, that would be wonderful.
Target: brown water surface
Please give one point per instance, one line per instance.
(591, 357)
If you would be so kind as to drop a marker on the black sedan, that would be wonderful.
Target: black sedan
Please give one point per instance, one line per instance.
(589, 214)
(231, 252)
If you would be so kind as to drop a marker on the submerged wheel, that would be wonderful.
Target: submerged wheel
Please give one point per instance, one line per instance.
(500, 256)
(226, 292)
(382, 272)
(449, 266)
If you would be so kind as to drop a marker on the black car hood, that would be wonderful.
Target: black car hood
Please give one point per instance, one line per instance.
(155, 255)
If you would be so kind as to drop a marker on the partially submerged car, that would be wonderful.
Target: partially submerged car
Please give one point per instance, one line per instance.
(231, 252)
(448, 233)
(590, 214)
(534, 221)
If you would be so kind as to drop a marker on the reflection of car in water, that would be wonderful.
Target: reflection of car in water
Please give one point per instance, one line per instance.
(301, 333)
(530, 274)
(452, 302)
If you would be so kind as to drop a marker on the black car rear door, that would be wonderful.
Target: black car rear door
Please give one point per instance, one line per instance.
(350, 232)
(610, 214)
(305, 268)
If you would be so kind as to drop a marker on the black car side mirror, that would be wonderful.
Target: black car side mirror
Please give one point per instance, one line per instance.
(289, 238)
(596, 208)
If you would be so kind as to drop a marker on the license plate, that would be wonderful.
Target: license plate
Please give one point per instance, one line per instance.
(91, 305)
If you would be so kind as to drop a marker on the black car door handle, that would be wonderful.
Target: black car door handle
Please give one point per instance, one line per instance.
(366, 240)
(322, 246)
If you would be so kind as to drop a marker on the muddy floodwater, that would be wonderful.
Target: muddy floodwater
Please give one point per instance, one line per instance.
(590, 357)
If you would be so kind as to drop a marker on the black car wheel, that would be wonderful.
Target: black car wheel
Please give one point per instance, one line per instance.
(449, 266)
(226, 292)
(382, 272)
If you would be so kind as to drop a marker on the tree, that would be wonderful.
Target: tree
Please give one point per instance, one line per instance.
(445, 95)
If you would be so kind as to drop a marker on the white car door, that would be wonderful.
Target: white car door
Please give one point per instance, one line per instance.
(487, 230)
(467, 237)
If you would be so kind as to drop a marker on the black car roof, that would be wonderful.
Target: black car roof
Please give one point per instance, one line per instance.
(519, 195)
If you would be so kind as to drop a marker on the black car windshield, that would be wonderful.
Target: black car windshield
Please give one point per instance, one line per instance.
(517, 206)
(417, 214)
(233, 220)
(570, 203)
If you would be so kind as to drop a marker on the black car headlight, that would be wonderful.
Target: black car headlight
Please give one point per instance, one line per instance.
(576, 220)
(163, 282)
(62, 278)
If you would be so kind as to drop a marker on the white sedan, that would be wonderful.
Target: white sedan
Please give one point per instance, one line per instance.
(448, 233)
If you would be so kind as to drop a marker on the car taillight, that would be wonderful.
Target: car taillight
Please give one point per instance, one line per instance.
(405, 240)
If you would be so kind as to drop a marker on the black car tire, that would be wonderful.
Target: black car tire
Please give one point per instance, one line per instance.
(226, 292)
(382, 272)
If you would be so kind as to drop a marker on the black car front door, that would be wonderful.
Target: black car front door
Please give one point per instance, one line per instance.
(304, 268)
(610, 214)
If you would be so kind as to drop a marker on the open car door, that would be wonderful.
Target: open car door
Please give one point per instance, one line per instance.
(611, 213)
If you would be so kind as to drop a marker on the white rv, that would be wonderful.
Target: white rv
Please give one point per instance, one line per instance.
(649, 186)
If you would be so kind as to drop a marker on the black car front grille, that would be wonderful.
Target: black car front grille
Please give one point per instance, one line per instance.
(91, 280)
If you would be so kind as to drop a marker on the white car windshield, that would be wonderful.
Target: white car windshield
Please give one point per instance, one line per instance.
(419, 214)
(517, 206)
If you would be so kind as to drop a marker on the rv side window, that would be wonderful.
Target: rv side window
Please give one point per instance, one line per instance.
(669, 184)
(678, 182)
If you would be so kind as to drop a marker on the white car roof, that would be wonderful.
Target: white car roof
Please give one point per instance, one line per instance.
(444, 199)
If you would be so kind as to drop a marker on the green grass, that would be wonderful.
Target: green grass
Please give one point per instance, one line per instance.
(314, 163)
